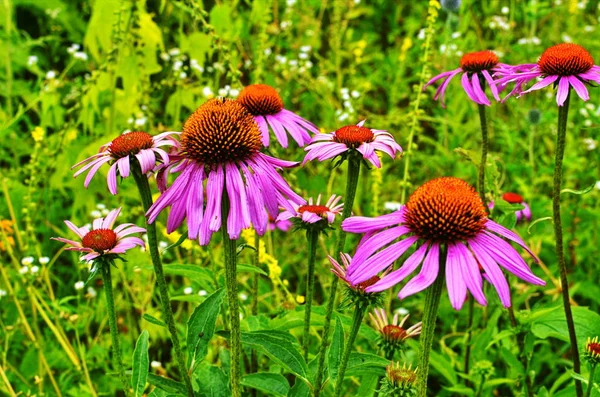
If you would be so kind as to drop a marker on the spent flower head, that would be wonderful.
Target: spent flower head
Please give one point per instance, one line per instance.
(392, 333)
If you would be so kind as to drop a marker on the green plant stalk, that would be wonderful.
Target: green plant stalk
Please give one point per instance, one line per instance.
(230, 259)
(146, 195)
(112, 322)
(254, 308)
(8, 59)
(312, 236)
(590, 386)
(480, 388)
(432, 303)
(359, 313)
(563, 113)
(354, 163)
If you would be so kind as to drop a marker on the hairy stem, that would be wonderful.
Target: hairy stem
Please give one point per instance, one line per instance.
(112, 322)
(146, 196)
(563, 112)
(432, 303)
(590, 386)
(230, 258)
(313, 237)
(254, 308)
(359, 313)
(351, 186)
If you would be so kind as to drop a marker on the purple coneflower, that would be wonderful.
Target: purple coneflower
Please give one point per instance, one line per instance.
(313, 213)
(447, 217)
(523, 215)
(352, 137)
(221, 160)
(477, 69)
(103, 239)
(566, 65)
(140, 144)
(275, 224)
(265, 104)
(392, 332)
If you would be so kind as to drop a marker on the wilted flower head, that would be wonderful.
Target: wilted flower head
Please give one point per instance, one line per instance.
(351, 139)
(314, 214)
(265, 104)
(121, 150)
(355, 293)
(392, 333)
(103, 239)
(565, 65)
(592, 351)
(445, 216)
(220, 162)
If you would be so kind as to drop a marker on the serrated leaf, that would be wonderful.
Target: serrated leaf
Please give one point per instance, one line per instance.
(153, 320)
(166, 384)
(279, 347)
(141, 362)
(201, 327)
(336, 349)
(272, 384)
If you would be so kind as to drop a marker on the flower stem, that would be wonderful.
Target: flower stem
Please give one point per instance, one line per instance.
(230, 258)
(351, 186)
(359, 313)
(588, 393)
(146, 195)
(432, 303)
(112, 322)
(313, 237)
(484, 152)
(563, 112)
(254, 308)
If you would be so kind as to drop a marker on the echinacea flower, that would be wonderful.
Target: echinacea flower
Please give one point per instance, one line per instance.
(120, 150)
(221, 167)
(565, 65)
(399, 381)
(392, 332)
(351, 138)
(275, 224)
(265, 104)
(477, 69)
(592, 351)
(103, 239)
(445, 217)
(523, 215)
(312, 213)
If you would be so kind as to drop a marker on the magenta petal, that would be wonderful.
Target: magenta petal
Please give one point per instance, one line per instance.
(397, 276)
(579, 87)
(457, 289)
(375, 243)
(426, 276)
(471, 273)
(493, 272)
(483, 100)
(563, 90)
(509, 234)
(469, 88)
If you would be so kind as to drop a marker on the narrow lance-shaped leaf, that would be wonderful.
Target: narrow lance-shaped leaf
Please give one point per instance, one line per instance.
(201, 327)
(141, 362)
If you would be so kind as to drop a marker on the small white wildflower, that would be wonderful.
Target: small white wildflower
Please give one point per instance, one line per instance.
(355, 94)
(51, 75)
(347, 104)
(79, 285)
(80, 55)
(156, 364)
(177, 65)
(590, 144)
(164, 56)
(281, 59)
(195, 65)
(207, 92)
(43, 260)
(140, 121)
(285, 24)
(589, 28)
(268, 51)
(24, 270)
(234, 92)
(2, 293)
(222, 92)
(104, 212)
(402, 311)
(566, 38)
(92, 292)
(587, 122)
(505, 10)
(308, 64)
(73, 49)
(182, 75)
(243, 296)
(34, 269)
(293, 62)
(421, 34)
(392, 205)
(188, 290)
(290, 3)
(101, 206)
(303, 55)
(305, 48)
(162, 245)
(88, 226)
(174, 52)
(455, 35)
(597, 185)
(343, 117)
(26, 261)
(96, 214)
(32, 60)
(202, 292)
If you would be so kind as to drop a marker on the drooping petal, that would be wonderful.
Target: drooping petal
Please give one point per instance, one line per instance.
(426, 276)
(457, 289)
(397, 276)
(579, 87)
(471, 273)
(563, 90)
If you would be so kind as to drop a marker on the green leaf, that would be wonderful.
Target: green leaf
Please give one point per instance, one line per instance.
(272, 384)
(365, 363)
(242, 246)
(166, 384)
(153, 320)
(553, 324)
(211, 382)
(140, 364)
(336, 349)
(193, 272)
(279, 347)
(546, 218)
(201, 327)
(241, 268)
(177, 243)
(578, 192)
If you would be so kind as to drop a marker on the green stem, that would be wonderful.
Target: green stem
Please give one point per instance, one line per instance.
(313, 237)
(7, 58)
(359, 313)
(230, 258)
(471, 304)
(146, 195)
(351, 186)
(112, 322)
(432, 303)
(588, 393)
(254, 308)
(484, 152)
(480, 388)
(563, 112)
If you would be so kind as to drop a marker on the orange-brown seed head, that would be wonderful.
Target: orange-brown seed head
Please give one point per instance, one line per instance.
(130, 144)
(476, 62)
(100, 240)
(260, 99)
(353, 136)
(565, 59)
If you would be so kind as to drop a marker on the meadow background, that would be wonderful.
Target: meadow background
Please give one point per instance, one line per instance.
(75, 74)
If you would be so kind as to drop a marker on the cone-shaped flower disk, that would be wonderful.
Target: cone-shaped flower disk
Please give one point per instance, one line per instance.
(523, 215)
(103, 239)
(443, 216)
(352, 137)
(265, 104)
(220, 155)
(313, 213)
(477, 69)
(392, 332)
(142, 145)
(565, 65)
